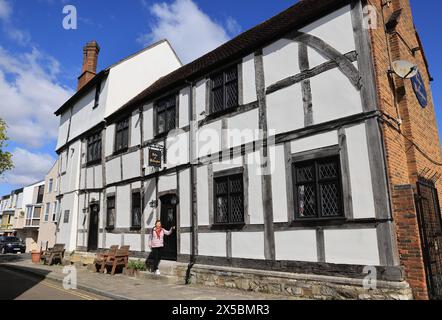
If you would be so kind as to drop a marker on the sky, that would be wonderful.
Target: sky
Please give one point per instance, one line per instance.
(40, 60)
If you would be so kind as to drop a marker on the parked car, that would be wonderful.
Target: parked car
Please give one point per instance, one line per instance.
(12, 245)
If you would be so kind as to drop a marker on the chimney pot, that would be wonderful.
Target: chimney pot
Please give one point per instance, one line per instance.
(90, 61)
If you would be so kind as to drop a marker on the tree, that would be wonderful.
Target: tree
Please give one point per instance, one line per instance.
(5, 157)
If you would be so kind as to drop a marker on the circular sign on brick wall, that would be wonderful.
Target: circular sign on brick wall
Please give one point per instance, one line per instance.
(419, 89)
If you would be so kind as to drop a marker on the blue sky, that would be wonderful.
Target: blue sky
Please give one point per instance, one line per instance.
(40, 60)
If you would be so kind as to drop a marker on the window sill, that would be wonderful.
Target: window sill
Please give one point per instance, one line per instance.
(138, 228)
(121, 151)
(93, 163)
(228, 226)
(319, 222)
(218, 114)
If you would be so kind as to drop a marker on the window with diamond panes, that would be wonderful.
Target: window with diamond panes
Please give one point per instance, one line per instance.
(166, 115)
(110, 213)
(229, 200)
(224, 90)
(318, 189)
(122, 135)
(94, 148)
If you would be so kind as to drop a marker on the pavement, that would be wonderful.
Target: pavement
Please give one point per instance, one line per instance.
(94, 286)
(20, 285)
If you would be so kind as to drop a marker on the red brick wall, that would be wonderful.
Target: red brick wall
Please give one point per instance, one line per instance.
(412, 146)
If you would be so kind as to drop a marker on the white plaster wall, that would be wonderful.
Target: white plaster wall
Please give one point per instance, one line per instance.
(167, 182)
(150, 214)
(285, 110)
(248, 245)
(112, 239)
(134, 241)
(63, 128)
(148, 125)
(360, 173)
(132, 76)
(177, 149)
(280, 60)
(200, 99)
(184, 107)
(334, 96)
(98, 176)
(131, 165)
(68, 231)
(110, 140)
(279, 187)
(248, 79)
(209, 139)
(255, 189)
(243, 128)
(123, 207)
(227, 164)
(336, 29)
(113, 170)
(352, 247)
(212, 244)
(90, 177)
(315, 142)
(135, 132)
(296, 245)
(202, 188)
(84, 116)
(185, 201)
(185, 243)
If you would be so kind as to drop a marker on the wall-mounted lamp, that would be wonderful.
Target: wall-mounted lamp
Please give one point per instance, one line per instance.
(153, 204)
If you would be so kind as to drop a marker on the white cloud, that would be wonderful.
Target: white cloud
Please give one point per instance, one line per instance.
(5, 10)
(29, 95)
(191, 31)
(29, 167)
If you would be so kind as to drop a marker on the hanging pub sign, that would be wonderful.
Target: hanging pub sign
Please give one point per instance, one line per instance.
(419, 89)
(155, 156)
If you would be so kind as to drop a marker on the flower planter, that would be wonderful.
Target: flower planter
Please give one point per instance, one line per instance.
(129, 272)
(36, 255)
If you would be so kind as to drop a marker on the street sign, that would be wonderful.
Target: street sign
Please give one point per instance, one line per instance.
(419, 89)
(155, 157)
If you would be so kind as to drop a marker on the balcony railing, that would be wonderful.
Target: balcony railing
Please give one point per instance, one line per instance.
(6, 226)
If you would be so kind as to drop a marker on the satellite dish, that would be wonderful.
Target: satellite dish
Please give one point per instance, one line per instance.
(405, 69)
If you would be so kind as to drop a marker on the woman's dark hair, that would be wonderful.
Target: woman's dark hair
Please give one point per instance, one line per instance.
(157, 222)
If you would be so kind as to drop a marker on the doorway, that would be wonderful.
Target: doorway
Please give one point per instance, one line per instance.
(168, 219)
(93, 227)
(429, 216)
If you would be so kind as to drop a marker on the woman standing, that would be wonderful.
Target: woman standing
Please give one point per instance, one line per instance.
(156, 244)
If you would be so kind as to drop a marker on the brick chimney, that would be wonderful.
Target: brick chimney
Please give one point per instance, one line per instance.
(90, 59)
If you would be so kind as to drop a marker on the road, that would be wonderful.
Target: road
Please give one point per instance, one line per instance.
(19, 285)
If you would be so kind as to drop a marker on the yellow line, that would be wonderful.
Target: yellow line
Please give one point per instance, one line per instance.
(71, 292)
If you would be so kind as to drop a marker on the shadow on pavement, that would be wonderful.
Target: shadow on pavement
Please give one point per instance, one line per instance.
(16, 280)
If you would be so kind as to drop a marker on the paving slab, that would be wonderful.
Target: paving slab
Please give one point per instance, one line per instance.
(121, 287)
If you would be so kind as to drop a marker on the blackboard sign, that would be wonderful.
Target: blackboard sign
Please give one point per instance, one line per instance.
(155, 158)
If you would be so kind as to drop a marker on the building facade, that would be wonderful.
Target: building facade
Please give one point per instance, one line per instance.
(27, 218)
(286, 149)
(50, 214)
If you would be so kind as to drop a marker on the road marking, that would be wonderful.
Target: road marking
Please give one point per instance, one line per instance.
(51, 285)
(71, 292)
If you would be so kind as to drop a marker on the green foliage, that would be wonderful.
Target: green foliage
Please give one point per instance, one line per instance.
(136, 265)
(5, 157)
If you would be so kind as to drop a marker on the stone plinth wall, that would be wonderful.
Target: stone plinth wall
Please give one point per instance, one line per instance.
(299, 285)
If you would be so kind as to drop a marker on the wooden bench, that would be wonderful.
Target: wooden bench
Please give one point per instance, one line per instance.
(54, 254)
(120, 259)
(100, 260)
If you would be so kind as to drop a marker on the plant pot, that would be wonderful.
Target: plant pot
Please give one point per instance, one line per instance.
(129, 272)
(36, 255)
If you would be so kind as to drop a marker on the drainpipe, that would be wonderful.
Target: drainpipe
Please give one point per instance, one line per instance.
(193, 210)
